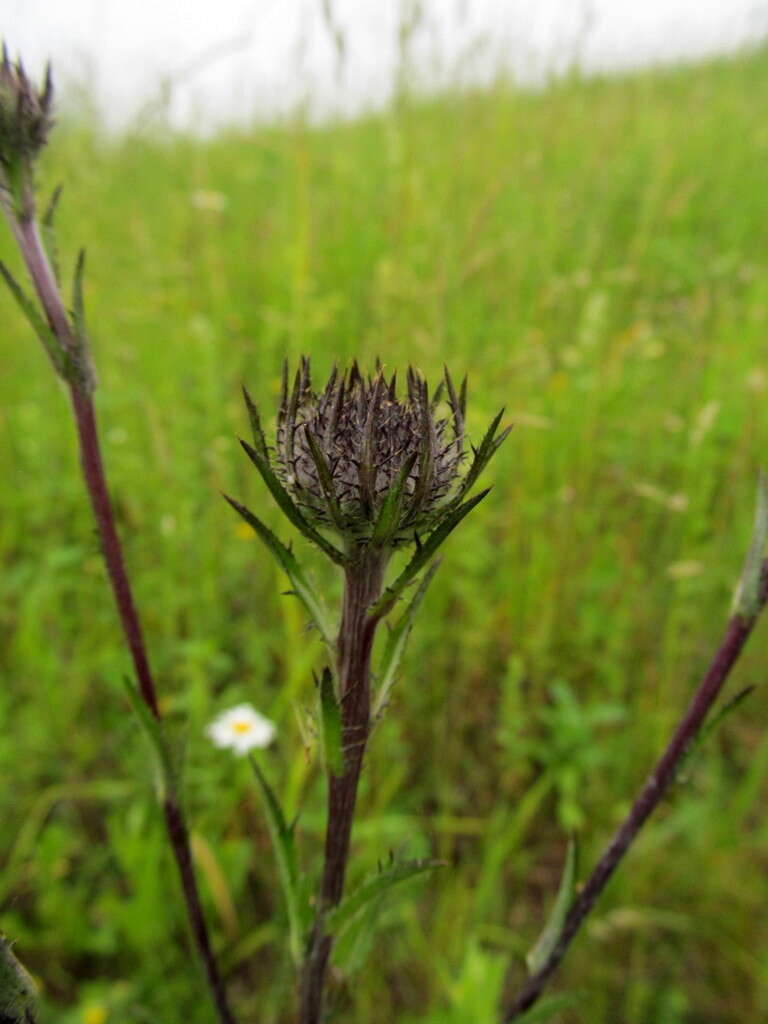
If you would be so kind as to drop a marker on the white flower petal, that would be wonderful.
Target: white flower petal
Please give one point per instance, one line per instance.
(241, 729)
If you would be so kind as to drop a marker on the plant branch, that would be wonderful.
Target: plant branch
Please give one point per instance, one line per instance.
(30, 243)
(736, 635)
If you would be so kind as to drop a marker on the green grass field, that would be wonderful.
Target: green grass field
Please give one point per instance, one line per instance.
(596, 257)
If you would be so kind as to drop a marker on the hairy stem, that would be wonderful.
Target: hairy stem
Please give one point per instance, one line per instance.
(736, 635)
(355, 641)
(27, 235)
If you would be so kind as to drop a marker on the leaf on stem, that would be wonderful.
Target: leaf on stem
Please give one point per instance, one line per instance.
(484, 453)
(423, 554)
(284, 847)
(48, 230)
(259, 440)
(302, 588)
(396, 643)
(288, 506)
(52, 345)
(746, 601)
(153, 729)
(552, 931)
(330, 725)
(708, 728)
(544, 1011)
(338, 917)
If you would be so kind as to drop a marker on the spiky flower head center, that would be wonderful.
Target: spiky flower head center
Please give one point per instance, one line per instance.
(25, 111)
(365, 462)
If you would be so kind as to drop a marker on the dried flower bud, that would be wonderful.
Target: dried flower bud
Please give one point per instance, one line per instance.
(376, 469)
(25, 121)
(365, 463)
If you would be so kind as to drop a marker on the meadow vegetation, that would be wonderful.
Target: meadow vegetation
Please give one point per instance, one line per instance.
(595, 255)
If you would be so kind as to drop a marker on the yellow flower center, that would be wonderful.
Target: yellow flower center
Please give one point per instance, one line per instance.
(241, 727)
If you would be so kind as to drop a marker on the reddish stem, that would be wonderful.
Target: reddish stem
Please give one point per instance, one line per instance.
(362, 589)
(28, 237)
(736, 635)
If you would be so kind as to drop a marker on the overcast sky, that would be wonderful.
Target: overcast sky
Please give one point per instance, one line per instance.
(214, 60)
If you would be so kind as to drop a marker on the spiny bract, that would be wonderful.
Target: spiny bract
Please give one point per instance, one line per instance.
(343, 452)
(379, 470)
(25, 113)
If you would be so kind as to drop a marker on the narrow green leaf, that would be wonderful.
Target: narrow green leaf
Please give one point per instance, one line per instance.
(38, 324)
(326, 480)
(48, 230)
(747, 597)
(396, 643)
(78, 301)
(259, 440)
(153, 730)
(722, 713)
(353, 946)
(18, 993)
(288, 506)
(337, 918)
(424, 553)
(426, 453)
(79, 368)
(284, 847)
(330, 723)
(548, 939)
(302, 588)
(710, 726)
(389, 514)
(483, 454)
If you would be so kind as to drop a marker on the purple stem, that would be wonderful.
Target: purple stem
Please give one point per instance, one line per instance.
(362, 589)
(30, 243)
(657, 783)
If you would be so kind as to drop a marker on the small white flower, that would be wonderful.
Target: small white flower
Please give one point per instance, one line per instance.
(241, 729)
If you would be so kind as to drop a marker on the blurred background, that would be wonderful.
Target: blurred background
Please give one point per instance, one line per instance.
(566, 201)
(206, 68)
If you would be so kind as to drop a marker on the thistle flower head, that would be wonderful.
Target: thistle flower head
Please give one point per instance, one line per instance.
(365, 462)
(376, 468)
(25, 121)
